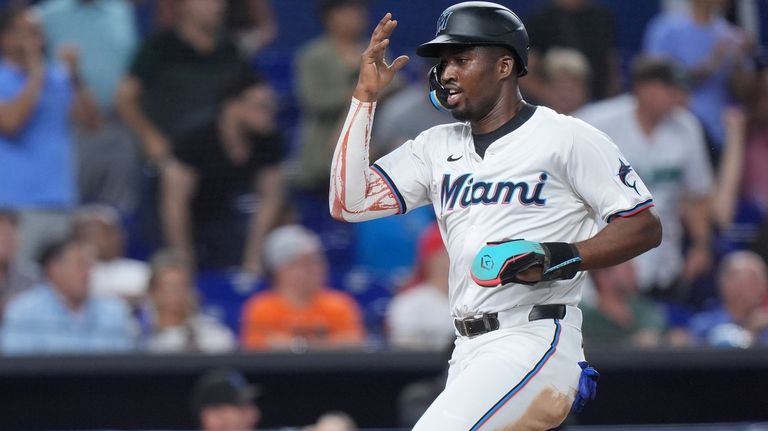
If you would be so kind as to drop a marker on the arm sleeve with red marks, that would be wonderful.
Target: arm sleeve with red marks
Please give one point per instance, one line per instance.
(359, 192)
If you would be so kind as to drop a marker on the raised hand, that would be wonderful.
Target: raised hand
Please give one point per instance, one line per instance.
(375, 73)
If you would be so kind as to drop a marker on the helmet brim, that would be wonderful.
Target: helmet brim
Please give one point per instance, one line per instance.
(431, 49)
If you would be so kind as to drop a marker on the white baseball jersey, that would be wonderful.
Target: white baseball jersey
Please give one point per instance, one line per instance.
(548, 180)
(674, 163)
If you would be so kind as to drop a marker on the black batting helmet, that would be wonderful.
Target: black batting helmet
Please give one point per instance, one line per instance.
(480, 23)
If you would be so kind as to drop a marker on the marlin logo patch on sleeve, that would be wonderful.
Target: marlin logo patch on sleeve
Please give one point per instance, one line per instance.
(627, 176)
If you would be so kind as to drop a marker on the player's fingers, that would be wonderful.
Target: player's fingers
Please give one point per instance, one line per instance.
(377, 32)
(375, 52)
(530, 275)
(388, 28)
(383, 31)
(399, 63)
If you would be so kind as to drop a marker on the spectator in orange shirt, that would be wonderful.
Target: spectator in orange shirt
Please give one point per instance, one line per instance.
(299, 311)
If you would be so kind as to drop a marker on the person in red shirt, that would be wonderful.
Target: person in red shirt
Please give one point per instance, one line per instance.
(299, 311)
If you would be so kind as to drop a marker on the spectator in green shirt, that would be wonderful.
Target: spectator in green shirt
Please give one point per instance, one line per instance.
(620, 315)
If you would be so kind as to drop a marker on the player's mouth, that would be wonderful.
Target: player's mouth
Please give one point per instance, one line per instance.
(454, 95)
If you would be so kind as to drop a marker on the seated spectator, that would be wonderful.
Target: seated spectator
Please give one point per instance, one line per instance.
(15, 276)
(742, 319)
(621, 316)
(38, 101)
(174, 321)
(224, 401)
(205, 190)
(299, 310)
(565, 73)
(112, 274)
(712, 51)
(419, 317)
(664, 144)
(61, 315)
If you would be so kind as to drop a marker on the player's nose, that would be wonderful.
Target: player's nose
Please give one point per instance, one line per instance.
(448, 73)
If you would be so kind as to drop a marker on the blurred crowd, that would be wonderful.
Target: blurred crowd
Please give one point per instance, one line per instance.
(155, 197)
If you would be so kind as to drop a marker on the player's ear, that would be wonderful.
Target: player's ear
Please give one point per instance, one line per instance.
(506, 66)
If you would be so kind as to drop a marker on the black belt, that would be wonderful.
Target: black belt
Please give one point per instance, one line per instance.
(490, 322)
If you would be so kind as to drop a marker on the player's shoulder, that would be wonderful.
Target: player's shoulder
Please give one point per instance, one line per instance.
(569, 126)
(439, 138)
(445, 130)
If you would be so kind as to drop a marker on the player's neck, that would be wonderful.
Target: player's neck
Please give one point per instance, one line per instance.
(499, 115)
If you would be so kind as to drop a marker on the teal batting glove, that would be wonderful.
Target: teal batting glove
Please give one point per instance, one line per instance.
(499, 263)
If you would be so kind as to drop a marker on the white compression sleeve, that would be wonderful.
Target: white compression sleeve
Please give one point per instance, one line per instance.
(357, 192)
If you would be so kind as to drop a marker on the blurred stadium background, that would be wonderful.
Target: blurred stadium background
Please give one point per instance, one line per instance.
(720, 383)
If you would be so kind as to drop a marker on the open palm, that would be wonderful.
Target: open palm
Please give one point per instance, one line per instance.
(375, 73)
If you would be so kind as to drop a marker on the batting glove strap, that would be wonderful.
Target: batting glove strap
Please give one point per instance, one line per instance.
(561, 261)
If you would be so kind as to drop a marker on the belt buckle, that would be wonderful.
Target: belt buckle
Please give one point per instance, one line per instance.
(467, 329)
(461, 325)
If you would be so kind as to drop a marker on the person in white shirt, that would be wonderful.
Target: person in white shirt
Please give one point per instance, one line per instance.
(666, 144)
(175, 323)
(419, 317)
(113, 274)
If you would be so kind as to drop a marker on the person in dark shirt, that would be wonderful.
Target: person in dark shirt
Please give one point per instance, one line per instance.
(172, 85)
(207, 206)
(584, 26)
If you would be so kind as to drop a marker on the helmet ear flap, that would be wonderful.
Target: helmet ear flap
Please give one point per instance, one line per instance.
(438, 95)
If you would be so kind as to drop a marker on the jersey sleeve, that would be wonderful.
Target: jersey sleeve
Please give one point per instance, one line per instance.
(406, 170)
(603, 178)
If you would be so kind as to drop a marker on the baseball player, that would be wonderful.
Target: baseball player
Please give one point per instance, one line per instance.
(519, 192)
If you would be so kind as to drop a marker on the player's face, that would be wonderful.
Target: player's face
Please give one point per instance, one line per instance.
(469, 75)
